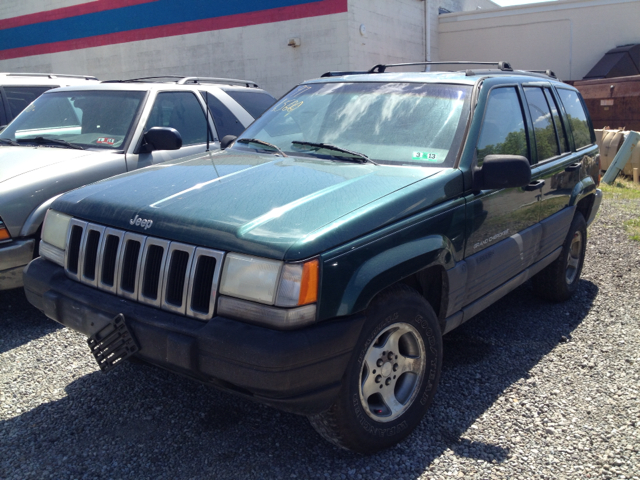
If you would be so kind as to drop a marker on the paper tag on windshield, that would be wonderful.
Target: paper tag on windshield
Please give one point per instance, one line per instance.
(106, 141)
(426, 157)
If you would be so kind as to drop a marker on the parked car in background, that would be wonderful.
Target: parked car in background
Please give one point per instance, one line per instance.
(17, 90)
(315, 264)
(72, 136)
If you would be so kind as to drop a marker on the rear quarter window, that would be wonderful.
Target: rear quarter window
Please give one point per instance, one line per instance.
(256, 103)
(578, 117)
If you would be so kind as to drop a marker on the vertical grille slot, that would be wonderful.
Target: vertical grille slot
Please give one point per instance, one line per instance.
(91, 255)
(73, 256)
(202, 283)
(151, 272)
(177, 272)
(109, 259)
(176, 277)
(130, 266)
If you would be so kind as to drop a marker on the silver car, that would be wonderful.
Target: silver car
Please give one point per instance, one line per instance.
(76, 135)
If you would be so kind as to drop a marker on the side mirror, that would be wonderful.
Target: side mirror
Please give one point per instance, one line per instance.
(226, 141)
(161, 138)
(502, 171)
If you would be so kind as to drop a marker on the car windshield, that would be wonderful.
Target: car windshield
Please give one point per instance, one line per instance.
(89, 119)
(398, 123)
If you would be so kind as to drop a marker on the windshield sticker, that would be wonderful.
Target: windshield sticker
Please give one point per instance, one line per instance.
(427, 157)
(301, 90)
(106, 141)
(288, 106)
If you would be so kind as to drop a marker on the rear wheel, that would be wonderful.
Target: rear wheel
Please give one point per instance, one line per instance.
(392, 377)
(559, 280)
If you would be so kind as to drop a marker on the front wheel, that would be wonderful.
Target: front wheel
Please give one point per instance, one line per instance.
(559, 280)
(392, 377)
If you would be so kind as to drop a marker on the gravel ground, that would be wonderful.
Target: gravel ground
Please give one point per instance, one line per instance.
(530, 390)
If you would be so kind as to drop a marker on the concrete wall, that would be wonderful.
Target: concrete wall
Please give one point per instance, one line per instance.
(568, 37)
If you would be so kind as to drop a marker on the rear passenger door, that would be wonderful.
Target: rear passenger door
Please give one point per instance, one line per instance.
(558, 164)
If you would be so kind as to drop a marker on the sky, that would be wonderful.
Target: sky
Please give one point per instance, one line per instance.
(508, 3)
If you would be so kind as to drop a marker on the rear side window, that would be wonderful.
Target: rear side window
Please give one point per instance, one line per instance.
(226, 122)
(503, 131)
(256, 103)
(577, 117)
(19, 97)
(182, 111)
(543, 127)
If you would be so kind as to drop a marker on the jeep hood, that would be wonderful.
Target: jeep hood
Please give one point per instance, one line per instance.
(286, 208)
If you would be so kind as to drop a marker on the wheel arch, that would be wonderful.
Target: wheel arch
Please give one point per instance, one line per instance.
(36, 217)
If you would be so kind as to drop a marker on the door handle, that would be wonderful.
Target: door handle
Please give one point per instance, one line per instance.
(573, 166)
(534, 185)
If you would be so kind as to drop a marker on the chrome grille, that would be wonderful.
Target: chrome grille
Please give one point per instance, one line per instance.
(172, 276)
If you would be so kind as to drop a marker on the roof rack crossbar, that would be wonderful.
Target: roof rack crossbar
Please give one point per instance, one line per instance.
(340, 74)
(180, 80)
(49, 75)
(548, 73)
(381, 68)
(230, 81)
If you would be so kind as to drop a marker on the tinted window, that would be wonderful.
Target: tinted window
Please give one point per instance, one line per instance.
(577, 117)
(562, 137)
(19, 97)
(225, 121)
(3, 119)
(543, 128)
(503, 131)
(256, 103)
(182, 111)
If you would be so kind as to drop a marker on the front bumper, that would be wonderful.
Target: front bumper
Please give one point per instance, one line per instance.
(297, 370)
(13, 257)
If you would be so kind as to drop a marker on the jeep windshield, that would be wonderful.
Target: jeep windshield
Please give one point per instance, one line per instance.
(392, 123)
(85, 119)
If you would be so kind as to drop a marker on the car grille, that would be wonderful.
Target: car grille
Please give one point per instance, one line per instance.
(173, 276)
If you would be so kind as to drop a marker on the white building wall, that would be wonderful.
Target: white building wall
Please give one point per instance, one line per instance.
(568, 37)
(258, 52)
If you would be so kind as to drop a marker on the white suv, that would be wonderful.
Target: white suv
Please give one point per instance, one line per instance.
(17, 90)
(72, 136)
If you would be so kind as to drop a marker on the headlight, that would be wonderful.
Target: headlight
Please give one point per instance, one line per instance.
(54, 236)
(269, 282)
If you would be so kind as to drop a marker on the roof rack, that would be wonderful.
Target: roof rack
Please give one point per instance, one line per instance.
(381, 68)
(49, 75)
(548, 73)
(180, 80)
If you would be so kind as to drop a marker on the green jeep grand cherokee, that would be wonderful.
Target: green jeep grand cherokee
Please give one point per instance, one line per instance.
(315, 264)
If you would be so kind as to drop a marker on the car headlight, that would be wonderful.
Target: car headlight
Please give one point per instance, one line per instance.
(54, 236)
(285, 290)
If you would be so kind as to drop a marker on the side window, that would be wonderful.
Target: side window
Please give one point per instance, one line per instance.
(562, 136)
(19, 97)
(182, 111)
(226, 122)
(577, 117)
(543, 128)
(3, 118)
(503, 129)
(256, 103)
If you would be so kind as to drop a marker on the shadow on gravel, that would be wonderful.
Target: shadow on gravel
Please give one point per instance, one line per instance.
(21, 322)
(141, 422)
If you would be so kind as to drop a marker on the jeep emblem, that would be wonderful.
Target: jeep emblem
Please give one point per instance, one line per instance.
(141, 222)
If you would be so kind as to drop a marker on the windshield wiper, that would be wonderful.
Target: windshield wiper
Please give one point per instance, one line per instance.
(8, 141)
(51, 141)
(262, 142)
(354, 156)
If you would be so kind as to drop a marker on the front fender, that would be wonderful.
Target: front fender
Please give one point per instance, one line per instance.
(354, 275)
(36, 217)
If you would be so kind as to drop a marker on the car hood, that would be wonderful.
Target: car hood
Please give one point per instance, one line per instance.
(286, 208)
(15, 161)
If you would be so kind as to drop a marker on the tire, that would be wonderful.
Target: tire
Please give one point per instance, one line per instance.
(559, 280)
(391, 378)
